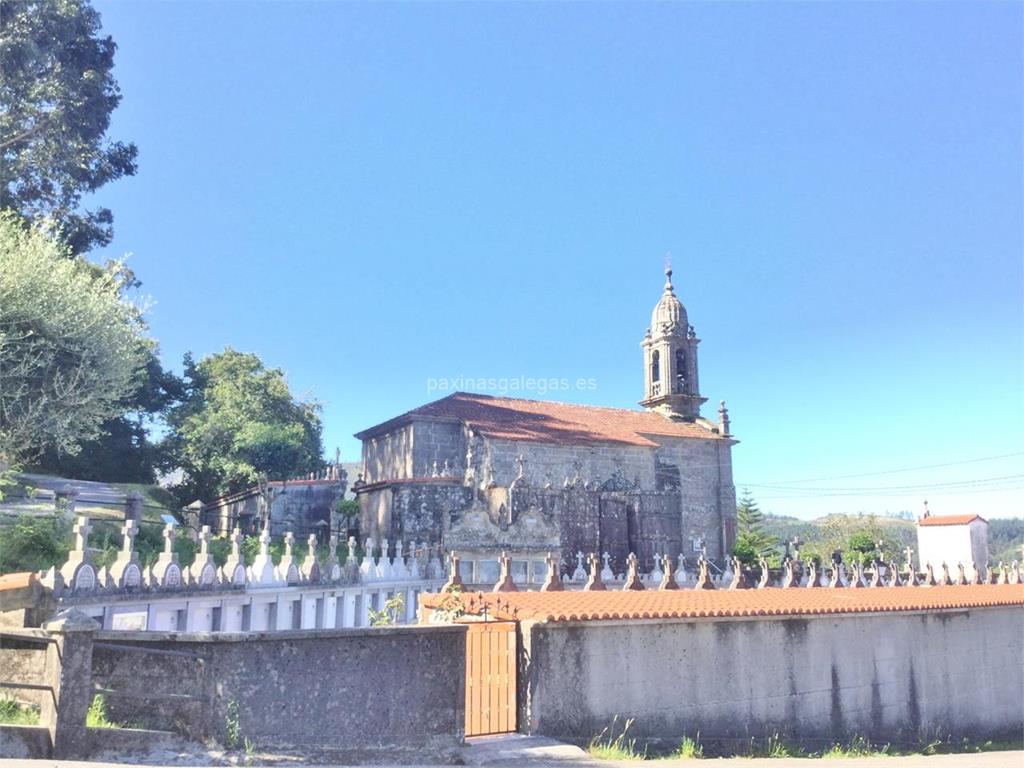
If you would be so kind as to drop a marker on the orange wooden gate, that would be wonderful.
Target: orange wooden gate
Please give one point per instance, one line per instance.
(491, 677)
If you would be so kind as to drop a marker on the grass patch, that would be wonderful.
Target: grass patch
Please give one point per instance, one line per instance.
(857, 747)
(15, 713)
(614, 743)
(96, 717)
(609, 745)
(774, 746)
(689, 749)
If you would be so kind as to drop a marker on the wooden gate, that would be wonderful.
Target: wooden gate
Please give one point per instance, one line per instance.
(491, 660)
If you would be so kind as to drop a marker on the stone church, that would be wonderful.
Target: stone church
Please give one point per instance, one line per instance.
(479, 474)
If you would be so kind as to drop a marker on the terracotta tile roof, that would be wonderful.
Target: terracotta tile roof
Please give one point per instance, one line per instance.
(693, 603)
(17, 580)
(949, 519)
(542, 421)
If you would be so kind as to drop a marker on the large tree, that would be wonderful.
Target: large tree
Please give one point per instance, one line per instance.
(57, 93)
(752, 540)
(125, 452)
(72, 349)
(239, 425)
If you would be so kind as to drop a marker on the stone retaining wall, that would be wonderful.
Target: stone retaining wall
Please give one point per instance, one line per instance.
(896, 677)
(352, 689)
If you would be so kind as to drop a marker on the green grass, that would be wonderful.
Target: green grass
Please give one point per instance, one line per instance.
(857, 747)
(608, 745)
(614, 743)
(14, 713)
(96, 717)
(774, 746)
(689, 749)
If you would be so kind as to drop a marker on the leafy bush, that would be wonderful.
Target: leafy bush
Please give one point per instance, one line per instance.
(35, 544)
(13, 713)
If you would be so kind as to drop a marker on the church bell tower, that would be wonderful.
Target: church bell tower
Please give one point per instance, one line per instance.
(670, 360)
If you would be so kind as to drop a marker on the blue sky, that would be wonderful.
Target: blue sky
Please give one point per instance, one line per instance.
(374, 196)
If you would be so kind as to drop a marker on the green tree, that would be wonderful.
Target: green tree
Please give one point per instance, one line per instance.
(239, 425)
(752, 542)
(71, 347)
(124, 451)
(58, 94)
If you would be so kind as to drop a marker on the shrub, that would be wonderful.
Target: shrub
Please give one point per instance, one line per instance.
(35, 544)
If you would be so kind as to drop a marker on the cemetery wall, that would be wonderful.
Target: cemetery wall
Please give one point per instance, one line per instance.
(345, 689)
(895, 677)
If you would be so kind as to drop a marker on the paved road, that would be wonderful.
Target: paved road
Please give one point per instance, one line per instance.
(93, 491)
(984, 760)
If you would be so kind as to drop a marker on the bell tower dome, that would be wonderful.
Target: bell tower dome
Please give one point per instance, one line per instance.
(670, 359)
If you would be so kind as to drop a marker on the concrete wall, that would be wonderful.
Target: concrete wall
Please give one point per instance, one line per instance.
(890, 678)
(298, 506)
(22, 662)
(334, 688)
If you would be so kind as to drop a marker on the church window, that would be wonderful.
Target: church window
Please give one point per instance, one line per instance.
(655, 367)
(680, 372)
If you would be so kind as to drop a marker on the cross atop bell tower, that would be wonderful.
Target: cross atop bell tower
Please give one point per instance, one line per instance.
(670, 359)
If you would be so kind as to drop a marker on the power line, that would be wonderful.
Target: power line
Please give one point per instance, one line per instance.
(883, 488)
(912, 494)
(894, 471)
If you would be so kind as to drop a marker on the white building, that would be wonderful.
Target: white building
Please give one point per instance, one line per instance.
(952, 539)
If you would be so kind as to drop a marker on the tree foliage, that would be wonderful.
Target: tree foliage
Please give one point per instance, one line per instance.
(239, 424)
(58, 93)
(71, 347)
(752, 540)
(124, 452)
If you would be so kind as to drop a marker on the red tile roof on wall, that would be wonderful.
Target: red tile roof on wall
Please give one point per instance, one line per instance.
(949, 519)
(542, 421)
(694, 603)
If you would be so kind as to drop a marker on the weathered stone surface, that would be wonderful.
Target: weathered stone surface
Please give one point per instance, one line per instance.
(887, 678)
(325, 688)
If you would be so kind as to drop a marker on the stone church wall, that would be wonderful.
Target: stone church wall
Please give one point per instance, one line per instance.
(440, 442)
(389, 456)
(707, 493)
(554, 464)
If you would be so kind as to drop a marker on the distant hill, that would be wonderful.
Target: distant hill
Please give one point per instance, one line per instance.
(823, 534)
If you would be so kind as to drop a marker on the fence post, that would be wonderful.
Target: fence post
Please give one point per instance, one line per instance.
(69, 673)
(133, 506)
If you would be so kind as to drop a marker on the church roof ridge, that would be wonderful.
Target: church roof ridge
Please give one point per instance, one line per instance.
(551, 421)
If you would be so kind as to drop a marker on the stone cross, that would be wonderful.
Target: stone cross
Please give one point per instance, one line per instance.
(236, 542)
(289, 543)
(796, 543)
(668, 581)
(204, 540)
(454, 577)
(909, 552)
(265, 541)
(594, 583)
(351, 548)
(553, 580)
(633, 581)
(169, 538)
(129, 531)
(81, 530)
(520, 466)
(505, 582)
(311, 542)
